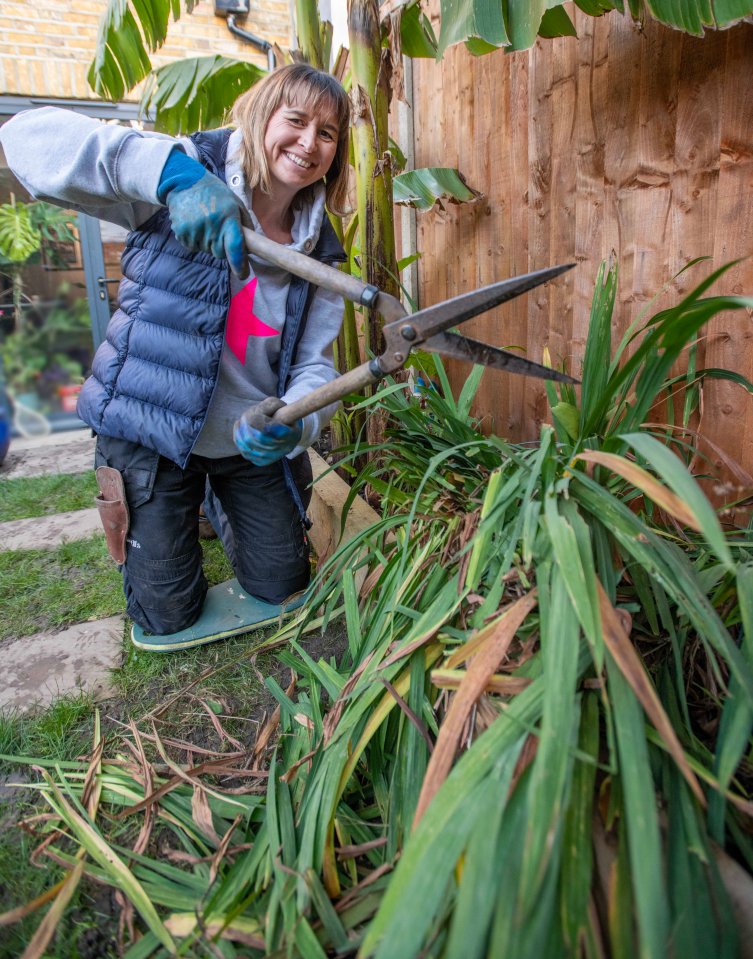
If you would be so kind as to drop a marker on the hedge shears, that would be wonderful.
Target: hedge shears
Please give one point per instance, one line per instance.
(402, 332)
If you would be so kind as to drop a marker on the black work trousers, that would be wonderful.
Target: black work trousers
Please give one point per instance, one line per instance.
(163, 579)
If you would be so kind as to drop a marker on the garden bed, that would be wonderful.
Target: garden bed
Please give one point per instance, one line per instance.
(539, 728)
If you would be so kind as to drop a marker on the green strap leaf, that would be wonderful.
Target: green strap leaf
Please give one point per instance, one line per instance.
(552, 768)
(571, 545)
(102, 853)
(668, 566)
(577, 868)
(737, 715)
(674, 474)
(598, 350)
(643, 836)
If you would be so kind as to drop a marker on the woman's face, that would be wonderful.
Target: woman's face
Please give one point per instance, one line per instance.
(300, 146)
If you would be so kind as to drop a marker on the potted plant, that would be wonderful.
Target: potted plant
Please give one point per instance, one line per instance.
(23, 363)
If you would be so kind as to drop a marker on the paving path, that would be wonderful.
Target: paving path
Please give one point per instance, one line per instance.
(57, 453)
(47, 532)
(36, 670)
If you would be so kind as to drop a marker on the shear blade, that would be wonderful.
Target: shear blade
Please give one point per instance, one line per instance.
(436, 319)
(463, 348)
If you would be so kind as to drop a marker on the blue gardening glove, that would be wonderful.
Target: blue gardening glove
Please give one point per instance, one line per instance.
(204, 213)
(260, 439)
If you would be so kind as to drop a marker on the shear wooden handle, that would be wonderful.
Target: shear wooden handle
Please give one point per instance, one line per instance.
(311, 270)
(351, 382)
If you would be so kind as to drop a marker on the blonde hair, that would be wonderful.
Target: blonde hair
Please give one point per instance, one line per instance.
(291, 85)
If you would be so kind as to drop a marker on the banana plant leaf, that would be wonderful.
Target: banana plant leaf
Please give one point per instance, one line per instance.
(425, 187)
(464, 20)
(693, 16)
(417, 39)
(128, 32)
(556, 22)
(132, 29)
(197, 93)
(486, 25)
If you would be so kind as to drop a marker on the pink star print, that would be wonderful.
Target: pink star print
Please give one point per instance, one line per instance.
(243, 323)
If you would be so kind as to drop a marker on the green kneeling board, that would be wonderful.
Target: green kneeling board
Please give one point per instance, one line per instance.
(227, 611)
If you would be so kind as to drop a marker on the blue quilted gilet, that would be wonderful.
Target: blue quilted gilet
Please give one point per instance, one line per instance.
(153, 376)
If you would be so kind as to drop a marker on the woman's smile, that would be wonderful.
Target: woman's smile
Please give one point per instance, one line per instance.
(299, 161)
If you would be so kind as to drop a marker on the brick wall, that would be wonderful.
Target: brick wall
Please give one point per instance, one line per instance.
(46, 46)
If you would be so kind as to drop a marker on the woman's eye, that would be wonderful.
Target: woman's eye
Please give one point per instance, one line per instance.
(326, 135)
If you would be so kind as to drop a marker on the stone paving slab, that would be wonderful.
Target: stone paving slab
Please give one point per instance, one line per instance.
(71, 452)
(47, 532)
(41, 668)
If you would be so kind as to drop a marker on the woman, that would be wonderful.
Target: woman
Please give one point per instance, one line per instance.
(203, 332)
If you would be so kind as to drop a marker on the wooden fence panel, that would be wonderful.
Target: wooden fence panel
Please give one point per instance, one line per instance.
(630, 139)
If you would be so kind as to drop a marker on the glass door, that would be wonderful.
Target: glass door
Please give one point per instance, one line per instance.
(58, 287)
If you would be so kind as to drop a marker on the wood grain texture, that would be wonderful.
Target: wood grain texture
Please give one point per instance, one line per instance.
(632, 139)
(728, 418)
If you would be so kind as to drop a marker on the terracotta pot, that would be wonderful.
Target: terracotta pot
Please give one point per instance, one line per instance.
(69, 397)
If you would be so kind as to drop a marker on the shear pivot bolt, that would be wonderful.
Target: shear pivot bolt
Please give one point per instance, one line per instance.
(407, 332)
(399, 357)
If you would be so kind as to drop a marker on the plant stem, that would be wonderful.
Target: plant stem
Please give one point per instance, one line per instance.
(370, 94)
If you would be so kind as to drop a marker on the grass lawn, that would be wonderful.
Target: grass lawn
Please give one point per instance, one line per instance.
(46, 495)
(55, 588)
(52, 589)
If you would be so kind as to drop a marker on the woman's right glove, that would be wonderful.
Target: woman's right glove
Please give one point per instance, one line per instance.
(204, 212)
(262, 440)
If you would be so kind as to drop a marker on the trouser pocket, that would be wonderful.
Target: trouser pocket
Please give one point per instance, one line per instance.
(113, 510)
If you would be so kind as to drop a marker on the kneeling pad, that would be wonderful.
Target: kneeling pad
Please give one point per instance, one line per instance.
(228, 610)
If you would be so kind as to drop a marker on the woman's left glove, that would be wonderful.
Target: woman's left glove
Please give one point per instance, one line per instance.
(204, 212)
(260, 439)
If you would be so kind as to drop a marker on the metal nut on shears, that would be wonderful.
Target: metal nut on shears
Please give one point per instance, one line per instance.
(408, 332)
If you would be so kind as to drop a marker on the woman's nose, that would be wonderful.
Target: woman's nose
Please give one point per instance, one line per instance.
(307, 139)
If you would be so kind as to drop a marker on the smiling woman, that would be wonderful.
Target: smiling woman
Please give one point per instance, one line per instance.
(208, 342)
(272, 116)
